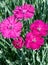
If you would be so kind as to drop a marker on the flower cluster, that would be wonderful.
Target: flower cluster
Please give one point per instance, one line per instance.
(18, 42)
(11, 27)
(24, 12)
(39, 28)
(33, 42)
(34, 39)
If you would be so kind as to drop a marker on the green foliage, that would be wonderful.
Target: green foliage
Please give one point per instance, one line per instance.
(11, 56)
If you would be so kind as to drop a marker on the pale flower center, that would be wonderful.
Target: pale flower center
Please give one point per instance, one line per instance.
(24, 11)
(17, 44)
(39, 28)
(34, 40)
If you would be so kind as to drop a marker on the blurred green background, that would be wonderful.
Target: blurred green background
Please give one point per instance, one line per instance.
(11, 56)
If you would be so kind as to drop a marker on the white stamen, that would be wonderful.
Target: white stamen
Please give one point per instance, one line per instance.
(34, 40)
(39, 28)
(24, 11)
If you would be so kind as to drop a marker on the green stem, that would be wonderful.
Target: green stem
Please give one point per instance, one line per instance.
(5, 41)
(30, 21)
(23, 1)
(34, 57)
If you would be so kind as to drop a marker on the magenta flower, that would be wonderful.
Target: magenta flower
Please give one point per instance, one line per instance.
(47, 28)
(18, 43)
(0, 25)
(24, 12)
(10, 28)
(33, 42)
(38, 27)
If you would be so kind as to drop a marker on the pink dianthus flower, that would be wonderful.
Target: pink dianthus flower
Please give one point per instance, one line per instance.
(39, 28)
(10, 28)
(18, 42)
(24, 12)
(47, 28)
(33, 42)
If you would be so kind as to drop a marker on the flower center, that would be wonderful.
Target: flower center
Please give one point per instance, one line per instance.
(24, 11)
(10, 27)
(17, 44)
(39, 28)
(34, 40)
